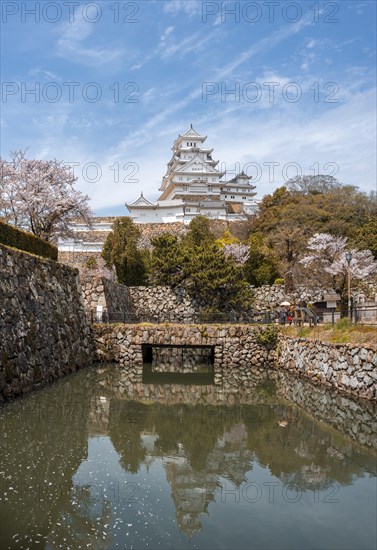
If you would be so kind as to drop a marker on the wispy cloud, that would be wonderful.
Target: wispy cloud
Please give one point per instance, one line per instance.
(190, 7)
(70, 45)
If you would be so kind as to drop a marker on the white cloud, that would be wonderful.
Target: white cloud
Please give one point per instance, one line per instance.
(168, 31)
(70, 45)
(190, 7)
(46, 74)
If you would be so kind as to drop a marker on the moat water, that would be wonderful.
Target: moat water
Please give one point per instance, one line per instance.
(96, 461)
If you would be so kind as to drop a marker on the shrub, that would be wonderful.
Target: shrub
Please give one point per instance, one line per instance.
(11, 236)
(91, 263)
(343, 324)
(279, 281)
(267, 336)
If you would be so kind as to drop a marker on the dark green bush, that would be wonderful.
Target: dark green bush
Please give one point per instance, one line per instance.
(11, 236)
(267, 336)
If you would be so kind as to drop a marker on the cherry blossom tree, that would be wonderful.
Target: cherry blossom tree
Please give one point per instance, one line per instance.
(312, 184)
(327, 255)
(238, 252)
(39, 196)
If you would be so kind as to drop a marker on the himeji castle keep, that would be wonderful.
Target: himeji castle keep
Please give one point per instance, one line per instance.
(193, 185)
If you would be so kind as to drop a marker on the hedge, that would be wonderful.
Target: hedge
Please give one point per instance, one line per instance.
(11, 236)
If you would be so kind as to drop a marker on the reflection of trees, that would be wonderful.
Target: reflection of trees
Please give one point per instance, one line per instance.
(305, 452)
(127, 420)
(44, 440)
(199, 444)
(82, 523)
(195, 428)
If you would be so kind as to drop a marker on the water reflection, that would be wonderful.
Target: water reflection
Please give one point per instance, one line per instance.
(96, 461)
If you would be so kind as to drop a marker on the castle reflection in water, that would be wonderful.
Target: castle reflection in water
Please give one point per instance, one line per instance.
(191, 446)
(207, 446)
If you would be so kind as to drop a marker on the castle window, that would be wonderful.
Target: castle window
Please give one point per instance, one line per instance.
(232, 196)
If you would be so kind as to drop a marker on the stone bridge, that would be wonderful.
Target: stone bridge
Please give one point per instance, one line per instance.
(235, 355)
(234, 352)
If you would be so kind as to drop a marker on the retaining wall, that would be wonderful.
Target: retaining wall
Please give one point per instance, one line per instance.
(238, 354)
(236, 347)
(44, 332)
(347, 367)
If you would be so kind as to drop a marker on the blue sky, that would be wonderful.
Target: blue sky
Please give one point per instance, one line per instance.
(279, 88)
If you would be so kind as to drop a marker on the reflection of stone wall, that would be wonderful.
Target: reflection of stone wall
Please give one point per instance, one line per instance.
(347, 367)
(355, 419)
(181, 360)
(44, 332)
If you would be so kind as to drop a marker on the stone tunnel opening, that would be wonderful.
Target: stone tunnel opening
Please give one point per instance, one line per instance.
(171, 363)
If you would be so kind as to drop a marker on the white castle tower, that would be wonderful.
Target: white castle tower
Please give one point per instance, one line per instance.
(193, 186)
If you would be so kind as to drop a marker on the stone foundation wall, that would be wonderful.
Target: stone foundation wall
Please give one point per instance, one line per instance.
(271, 296)
(77, 259)
(163, 304)
(348, 368)
(238, 354)
(44, 332)
(236, 348)
(112, 296)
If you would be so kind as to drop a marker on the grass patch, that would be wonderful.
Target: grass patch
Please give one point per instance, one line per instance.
(341, 333)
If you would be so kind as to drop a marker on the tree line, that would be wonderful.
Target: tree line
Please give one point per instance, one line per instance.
(301, 233)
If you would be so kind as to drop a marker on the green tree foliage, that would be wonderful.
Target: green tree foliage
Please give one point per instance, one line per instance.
(290, 216)
(199, 232)
(121, 250)
(216, 280)
(227, 238)
(203, 269)
(169, 261)
(261, 267)
(365, 237)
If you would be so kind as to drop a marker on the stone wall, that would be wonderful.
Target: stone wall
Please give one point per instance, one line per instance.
(346, 367)
(238, 354)
(44, 332)
(271, 296)
(77, 259)
(167, 304)
(163, 304)
(236, 348)
(112, 296)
